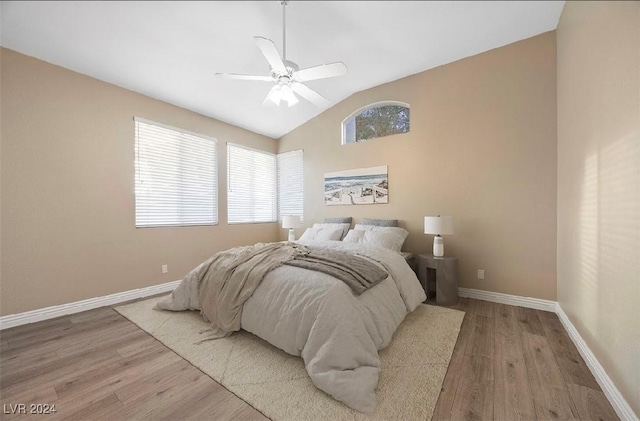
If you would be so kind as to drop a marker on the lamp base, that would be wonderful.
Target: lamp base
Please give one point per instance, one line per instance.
(292, 235)
(438, 246)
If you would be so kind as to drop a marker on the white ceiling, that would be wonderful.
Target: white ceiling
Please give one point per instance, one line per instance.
(170, 50)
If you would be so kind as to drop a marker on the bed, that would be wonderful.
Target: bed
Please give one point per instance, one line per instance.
(318, 317)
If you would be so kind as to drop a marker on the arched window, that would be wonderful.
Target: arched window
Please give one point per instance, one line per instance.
(376, 120)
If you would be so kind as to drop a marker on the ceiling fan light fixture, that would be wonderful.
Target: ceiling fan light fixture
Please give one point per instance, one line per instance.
(282, 92)
(275, 96)
(287, 94)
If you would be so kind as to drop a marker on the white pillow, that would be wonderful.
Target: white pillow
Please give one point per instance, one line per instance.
(401, 231)
(354, 236)
(321, 234)
(376, 238)
(343, 226)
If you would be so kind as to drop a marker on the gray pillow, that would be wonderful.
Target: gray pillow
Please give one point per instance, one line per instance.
(380, 222)
(346, 220)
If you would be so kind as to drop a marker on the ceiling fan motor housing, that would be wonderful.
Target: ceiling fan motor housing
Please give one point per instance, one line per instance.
(291, 68)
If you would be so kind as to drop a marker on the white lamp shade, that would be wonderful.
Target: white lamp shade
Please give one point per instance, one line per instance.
(438, 225)
(291, 221)
(282, 92)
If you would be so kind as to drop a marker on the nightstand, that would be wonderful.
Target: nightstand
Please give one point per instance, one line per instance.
(446, 277)
(410, 258)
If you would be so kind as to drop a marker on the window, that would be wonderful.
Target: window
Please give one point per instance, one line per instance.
(175, 177)
(290, 184)
(251, 180)
(376, 120)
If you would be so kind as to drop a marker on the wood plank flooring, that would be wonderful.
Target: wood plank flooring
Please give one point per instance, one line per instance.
(514, 363)
(98, 365)
(510, 363)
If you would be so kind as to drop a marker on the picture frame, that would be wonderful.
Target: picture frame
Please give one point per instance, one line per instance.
(362, 186)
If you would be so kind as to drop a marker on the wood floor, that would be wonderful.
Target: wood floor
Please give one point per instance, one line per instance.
(515, 363)
(509, 363)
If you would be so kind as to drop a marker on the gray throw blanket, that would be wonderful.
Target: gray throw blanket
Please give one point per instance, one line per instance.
(229, 278)
(357, 272)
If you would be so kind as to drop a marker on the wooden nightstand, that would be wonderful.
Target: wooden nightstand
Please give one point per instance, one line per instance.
(446, 277)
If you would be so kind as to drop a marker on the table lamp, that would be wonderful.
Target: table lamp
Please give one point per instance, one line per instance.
(291, 222)
(438, 226)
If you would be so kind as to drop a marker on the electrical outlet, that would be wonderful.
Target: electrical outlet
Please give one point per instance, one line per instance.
(480, 273)
(165, 268)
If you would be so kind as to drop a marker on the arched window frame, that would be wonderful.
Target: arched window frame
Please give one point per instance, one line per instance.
(361, 109)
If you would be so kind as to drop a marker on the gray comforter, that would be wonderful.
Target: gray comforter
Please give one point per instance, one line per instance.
(318, 317)
(229, 278)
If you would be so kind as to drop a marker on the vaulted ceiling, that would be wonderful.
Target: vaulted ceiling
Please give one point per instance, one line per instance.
(171, 50)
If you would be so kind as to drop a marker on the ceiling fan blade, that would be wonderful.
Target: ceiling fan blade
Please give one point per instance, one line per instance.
(245, 77)
(270, 52)
(321, 72)
(310, 95)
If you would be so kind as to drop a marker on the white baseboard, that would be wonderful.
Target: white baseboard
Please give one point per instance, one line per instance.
(513, 300)
(32, 316)
(612, 393)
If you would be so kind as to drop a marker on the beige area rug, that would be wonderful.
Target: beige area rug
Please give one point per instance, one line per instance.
(276, 383)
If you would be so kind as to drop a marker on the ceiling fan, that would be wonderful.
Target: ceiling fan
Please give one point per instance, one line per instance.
(286, 75)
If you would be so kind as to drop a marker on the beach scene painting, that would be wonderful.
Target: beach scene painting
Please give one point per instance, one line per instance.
(363, 186)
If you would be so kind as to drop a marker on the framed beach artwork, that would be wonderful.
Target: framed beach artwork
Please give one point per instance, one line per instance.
(364, 186)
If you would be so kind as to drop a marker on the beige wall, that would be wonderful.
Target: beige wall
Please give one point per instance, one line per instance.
(482, 148)
(68, 190)
(0, 173)
(599, 183)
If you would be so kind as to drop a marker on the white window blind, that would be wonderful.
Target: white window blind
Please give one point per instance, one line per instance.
(290, 184)
(176, 177)
(251, 180)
